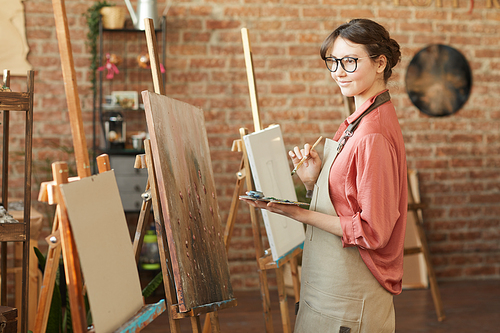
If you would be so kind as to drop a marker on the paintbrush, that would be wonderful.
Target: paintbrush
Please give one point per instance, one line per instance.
(306, 157)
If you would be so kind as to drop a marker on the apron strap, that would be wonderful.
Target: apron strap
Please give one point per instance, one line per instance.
(379, 100)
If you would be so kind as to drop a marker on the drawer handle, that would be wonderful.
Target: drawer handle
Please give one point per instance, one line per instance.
(137, 188)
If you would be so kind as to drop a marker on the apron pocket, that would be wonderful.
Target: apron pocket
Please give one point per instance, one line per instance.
(322, 312)
(310, 320)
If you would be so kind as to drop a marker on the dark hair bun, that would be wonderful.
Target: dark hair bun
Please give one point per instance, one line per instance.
(372, 35)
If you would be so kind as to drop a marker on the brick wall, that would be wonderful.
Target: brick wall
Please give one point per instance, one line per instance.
(457, 157)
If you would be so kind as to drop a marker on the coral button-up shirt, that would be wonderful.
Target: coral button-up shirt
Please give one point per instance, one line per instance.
(368, 188)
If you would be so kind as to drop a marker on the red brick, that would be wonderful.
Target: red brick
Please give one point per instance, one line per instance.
(226, 24)
(207, 63)
(243, 11)
(306, 76)
(432, 138)
(450, 175)
(187, 50)
(480, 271)
(319, 12)
(485, 198)
(188, 77)
(449, 273)
(179, 24)
(287, 89)
(485, 29)
(466, 162)
(302, 25)
(201, 10)
(303, 2)
(420, 27)
(431, 164)
(268, 25)
(458, 199)
(273, 102)
(465, 236)
(357, 13)
(452, 28)
(226, 50)
(281, 11)
(196, 36)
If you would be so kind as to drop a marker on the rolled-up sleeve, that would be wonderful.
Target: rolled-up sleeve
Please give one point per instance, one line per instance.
(372, 191)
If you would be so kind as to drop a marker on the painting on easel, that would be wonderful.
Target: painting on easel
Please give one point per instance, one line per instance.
(270, 170)
(188, 199)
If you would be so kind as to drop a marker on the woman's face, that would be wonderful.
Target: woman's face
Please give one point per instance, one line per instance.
(366, 80)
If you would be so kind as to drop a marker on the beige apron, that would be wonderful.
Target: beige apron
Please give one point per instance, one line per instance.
(338, 292)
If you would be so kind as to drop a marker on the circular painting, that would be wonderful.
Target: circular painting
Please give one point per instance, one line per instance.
(438, 80)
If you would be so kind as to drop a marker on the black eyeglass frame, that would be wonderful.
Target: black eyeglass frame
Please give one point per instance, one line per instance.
(337, 60)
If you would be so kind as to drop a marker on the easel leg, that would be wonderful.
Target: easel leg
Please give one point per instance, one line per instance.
(436, 295)
(238, 189)
(162, 243)
(214, 320)
(70, 255)
(295, 278)
(142, 224)
(414, 196)
(196, 324)
(285, 317)
(266, 301)
(49, 278)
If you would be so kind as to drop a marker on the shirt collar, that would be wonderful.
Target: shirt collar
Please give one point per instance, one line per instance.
(363, 107)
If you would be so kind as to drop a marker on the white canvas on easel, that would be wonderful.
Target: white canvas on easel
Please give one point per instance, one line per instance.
(271, 174)
(102, 238)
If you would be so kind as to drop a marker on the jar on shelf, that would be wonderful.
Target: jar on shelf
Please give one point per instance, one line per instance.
(114, 130)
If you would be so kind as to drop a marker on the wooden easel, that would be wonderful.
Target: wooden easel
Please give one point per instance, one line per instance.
(61, 238)
(151, 198)
(263, 256)
(415, 207)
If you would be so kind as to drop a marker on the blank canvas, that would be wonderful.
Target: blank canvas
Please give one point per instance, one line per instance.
(271, 174)
(103, 242)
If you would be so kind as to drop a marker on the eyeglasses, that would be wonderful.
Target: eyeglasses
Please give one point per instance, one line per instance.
(349, 64)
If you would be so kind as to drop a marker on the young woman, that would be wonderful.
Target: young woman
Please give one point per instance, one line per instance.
(353, 254)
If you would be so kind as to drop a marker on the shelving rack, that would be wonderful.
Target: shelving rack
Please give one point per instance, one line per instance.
(17, 232)
(126, 69)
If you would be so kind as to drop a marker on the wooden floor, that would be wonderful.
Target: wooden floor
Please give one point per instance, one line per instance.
(470, 306)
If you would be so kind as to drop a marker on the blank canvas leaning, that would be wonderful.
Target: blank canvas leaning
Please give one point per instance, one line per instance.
(103, 241)
(271, 173)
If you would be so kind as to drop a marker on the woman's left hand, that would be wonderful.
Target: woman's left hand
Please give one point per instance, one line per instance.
(274, 207)
(325, 222)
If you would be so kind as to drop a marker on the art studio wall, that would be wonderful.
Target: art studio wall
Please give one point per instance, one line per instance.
(457, 156)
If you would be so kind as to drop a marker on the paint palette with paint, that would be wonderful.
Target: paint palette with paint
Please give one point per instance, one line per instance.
(259, 196)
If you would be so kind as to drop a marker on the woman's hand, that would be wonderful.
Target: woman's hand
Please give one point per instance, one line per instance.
(329, 223)
(274, 207)
(310, 169)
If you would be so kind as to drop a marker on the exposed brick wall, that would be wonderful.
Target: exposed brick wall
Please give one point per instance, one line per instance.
(457, 157)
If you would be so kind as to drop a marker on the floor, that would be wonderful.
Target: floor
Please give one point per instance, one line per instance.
(470, 306)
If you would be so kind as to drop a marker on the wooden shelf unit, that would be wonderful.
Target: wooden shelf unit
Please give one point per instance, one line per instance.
(17, 232)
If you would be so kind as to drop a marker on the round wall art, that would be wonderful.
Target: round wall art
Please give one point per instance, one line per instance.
(438, 80)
